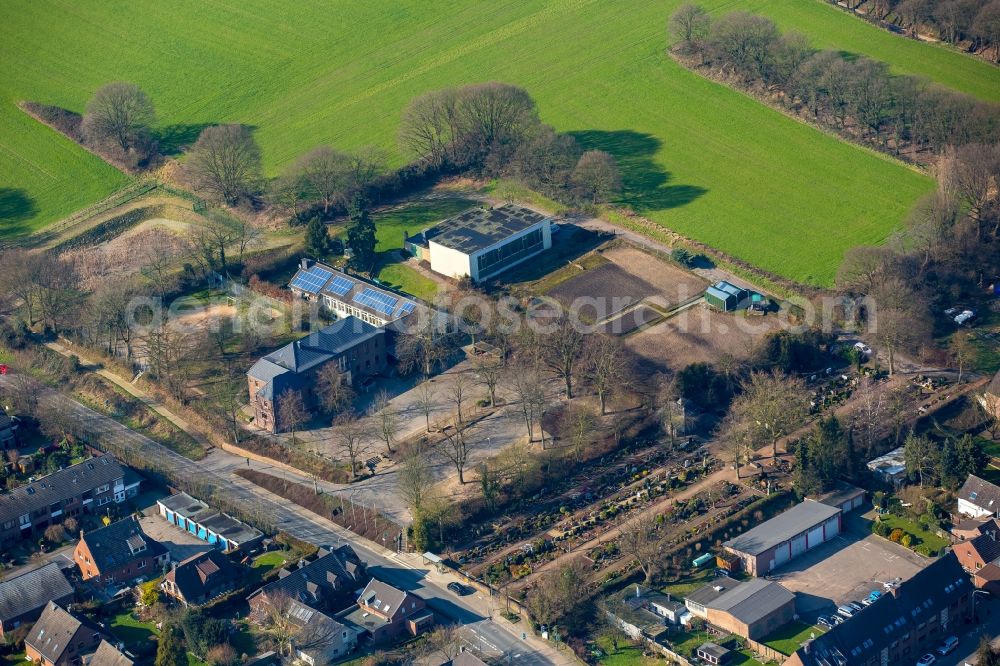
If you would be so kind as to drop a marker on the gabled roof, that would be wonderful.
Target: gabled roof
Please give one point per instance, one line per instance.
(203, 572)
(467, 659)
(383, 597)
(479, 228)
(54, 631)
(753, 600)
(361, 293)
(981, 492)
(108, 655)
(709, 593)
(119, 543)
(32, 590)
(993, 388)
(893, 615)
(987, 546)
(317, 629)
(60, 486)
(724, 290)
(334, 570)
(800, 518)
(713, 649)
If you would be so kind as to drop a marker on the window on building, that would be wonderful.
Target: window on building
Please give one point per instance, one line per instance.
(510, 252)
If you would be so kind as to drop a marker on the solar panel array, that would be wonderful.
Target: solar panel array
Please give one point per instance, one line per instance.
(407, 308)
(377, 301)
(340, 285)
(311, 280)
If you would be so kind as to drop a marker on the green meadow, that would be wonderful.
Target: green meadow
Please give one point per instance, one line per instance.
(697, 157)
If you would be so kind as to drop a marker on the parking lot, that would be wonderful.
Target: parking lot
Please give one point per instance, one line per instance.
(846, 569)
(178, 543)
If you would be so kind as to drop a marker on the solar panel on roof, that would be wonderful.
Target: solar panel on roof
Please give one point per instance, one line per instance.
(340, 285)
(383, 303)
(407, 308)
(311, 280)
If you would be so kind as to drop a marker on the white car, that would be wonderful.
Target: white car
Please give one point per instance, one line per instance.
(927, 660)
(863, 348)
(964, 316)
(948, 646)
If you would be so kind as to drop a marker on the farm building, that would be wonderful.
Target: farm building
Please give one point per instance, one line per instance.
(784, 537)
(727, 296)
(481, 243)
(346, 295)
(845, 497)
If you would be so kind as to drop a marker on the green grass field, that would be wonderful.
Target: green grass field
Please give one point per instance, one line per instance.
(790, 637)
(697, 157)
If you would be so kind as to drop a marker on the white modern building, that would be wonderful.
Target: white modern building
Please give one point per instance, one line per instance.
(483, 242)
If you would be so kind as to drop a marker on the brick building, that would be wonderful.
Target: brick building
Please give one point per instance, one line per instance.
(384, 613)
(319, 584)
(752, 609)
(901, 625)
(788, 535)
(356, 347)
(60, 639)
(201, 578)
(25, 596)
(119, 553)
(80, 488)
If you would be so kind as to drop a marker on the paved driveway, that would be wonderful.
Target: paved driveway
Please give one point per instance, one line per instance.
(846, 569)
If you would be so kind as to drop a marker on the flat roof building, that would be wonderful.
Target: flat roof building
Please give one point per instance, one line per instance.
(208, 524)
(776, 541)
(844, 496)
(891, 467)
(752, 609)
(483, 242)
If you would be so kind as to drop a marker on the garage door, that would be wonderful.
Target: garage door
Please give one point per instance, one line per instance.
(781, 555)
(816, 537)
(832, 527)
(798, 545)
(857, 502)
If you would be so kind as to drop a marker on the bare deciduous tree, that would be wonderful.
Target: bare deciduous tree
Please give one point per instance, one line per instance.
(291, 411)
(457, 447)
(597, 175)
(561, 351)
(225, 163)
(770, 407)
(121, 113)
(335, 393)
(489, 369)
(640, 539)
(350, 437)
(578, 426)
(415, 481)
(689, 24)
(605, 366)
(426, 401)
(458, 394)
(386, 419)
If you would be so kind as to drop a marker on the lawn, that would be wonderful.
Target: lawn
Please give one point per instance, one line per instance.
(413, 217)
(696, 157)
(627, 654)
(922, 536)
(787, 639)
(404, 278)
(129, 630)
(268, 561)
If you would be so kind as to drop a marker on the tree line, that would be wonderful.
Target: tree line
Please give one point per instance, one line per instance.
(974, 22)
(855, 96)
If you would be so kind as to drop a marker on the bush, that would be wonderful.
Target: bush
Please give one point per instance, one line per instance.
(896, 535)
(907, 540)
(880, 528)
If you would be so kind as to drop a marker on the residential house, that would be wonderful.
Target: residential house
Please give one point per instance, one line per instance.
(119, 553)
(481, 243)
(465, 658)
(25, 596)
(349, 295)
(988, 578)
(384, 613)
(901, 625)
(107, 655)
(356, 348)
(976, 553)
(640, 611)
(201, 578)
(332, 575)
(60, 639)
(990, 397)
(752, 609)
(788, 535)
(208, 524)
(321, 639)
(978, 498)
(84, 487)
(970, 528)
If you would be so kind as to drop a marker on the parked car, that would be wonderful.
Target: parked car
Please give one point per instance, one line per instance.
(847, 611)
(948, 646)
(950, 312)
(863, 348)
(867, 601)
(964, 317)
(927, 660)
(825, 622)
(875, 595)
(837, 619)
(855, 605)
(457, 588)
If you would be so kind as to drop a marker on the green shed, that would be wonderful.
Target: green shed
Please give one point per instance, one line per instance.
(726, 296)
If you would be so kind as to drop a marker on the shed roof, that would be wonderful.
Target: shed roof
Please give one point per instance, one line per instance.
(479, 228)
(842, 493)
(713, 650)
(753, 600)
(30, 591)
(199, 512)
(800, 518)
(709, 593)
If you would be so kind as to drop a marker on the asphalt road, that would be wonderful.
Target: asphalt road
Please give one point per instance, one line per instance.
(401, 570)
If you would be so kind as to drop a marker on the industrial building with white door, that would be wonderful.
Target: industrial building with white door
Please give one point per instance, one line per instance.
(775, 542)
(482, 242)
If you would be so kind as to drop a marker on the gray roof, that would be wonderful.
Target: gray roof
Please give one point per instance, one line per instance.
(339, 569)
(60, 486)
(713, 649)
(55, 629)
(279, 368)
(199, 512)
(981, 492)
(31, 591)
(932, 590)
(119, 543)
(725, 290)
(480, 228)
(753, 600)
(712, 591)
(800, 518)
(108, 655)
(203, 573)
(383, 597)
(840, 494)
(467, 659)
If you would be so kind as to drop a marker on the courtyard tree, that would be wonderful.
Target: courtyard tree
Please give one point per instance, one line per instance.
(333, 389)
(459, 390)
(426, 401)
(640, 539)
(489, 370)
(121, 114)
(596, 175)
(456, 447)
(416, 481)
(225, 164)
(350, 439)
(292, 412)
(386, 419)
(527, 383)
